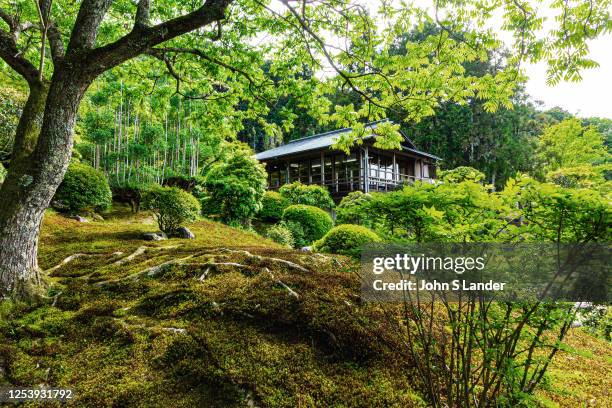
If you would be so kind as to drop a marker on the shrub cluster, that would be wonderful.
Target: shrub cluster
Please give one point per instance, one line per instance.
(280, 234)
(172, 207)
(272, 206)
(307, 223)
(235, 188)
(83, 188)
(460, 174)
(351, 209)
(346, 239)
(298, 193)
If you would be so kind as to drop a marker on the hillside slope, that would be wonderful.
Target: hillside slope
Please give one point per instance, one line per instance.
(226, 320)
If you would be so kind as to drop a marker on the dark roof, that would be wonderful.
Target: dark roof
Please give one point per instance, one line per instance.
(326, 140)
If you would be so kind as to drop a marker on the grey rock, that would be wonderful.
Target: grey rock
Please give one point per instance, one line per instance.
(154, 236)
(97, 217)
(306, 249)
(183, 232)
(80, 219)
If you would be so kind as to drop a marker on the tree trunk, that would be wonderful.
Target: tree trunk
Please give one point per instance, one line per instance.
(42, 155)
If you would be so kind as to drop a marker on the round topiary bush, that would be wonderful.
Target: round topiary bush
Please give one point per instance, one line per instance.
(346, 239)
(280, 234)
(298, 193)
(83, 188)
(272, 206)
(314, 222)
(172, 207)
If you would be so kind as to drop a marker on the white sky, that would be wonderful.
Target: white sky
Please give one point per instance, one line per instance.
(590, 97)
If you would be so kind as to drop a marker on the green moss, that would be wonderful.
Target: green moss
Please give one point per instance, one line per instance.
(237, 335)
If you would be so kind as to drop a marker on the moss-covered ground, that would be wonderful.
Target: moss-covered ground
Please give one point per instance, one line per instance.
(226, 320)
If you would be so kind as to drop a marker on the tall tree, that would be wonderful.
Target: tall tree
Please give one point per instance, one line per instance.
(59, 48)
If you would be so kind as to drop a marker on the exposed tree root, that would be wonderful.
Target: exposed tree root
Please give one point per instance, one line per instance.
(175, 330)
(65, 261)
(287, 288)
(249, 255)
(141, 250)
(151, 271)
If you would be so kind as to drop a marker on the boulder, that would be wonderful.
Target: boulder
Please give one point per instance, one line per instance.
(80, 219)
(183, 232)
(306, 249)
(154, 236)
(97, 217)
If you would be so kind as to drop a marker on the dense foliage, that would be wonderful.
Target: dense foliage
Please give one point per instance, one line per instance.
(235, 188)
(11, 104)
(2, 173)
(280, 234)
(346, 239)
(307, 223)
(349, 211)
(462, 173)
(312, 194)
(172, 207)
(574, 155)
(83, 188)
(272, 206)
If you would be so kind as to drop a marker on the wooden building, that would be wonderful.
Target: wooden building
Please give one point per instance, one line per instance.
(311, 160)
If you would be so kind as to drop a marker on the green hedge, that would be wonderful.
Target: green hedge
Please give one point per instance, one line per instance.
(272, 206)
(83, 188)
(346, 239)
(313, 221)
(298, 193)
(172, 207)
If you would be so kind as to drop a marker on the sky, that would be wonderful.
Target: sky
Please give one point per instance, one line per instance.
(590, 97)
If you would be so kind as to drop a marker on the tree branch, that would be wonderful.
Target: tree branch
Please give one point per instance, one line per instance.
(10, 21)
(194, 51)
(142, 13)
(11, 55)
(141, 39)
(85, 30)
(56, 43)
(160, 54)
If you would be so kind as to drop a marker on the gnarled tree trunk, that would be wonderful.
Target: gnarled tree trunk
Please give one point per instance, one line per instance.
(42, 152)
(43, 143)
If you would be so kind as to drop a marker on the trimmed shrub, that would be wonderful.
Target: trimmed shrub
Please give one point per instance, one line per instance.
(346, 239)
(314, 221)
(235, 188)
(297, 232)
(83, 188)
(298, 193)
(352, 209)
(272, 206)
(462, 173)
(280, 234)
(172, 207)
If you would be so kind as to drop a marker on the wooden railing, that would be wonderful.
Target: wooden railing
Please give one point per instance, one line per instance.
(374, 183)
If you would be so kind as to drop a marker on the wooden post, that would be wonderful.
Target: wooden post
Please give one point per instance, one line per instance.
(322, 167)
(394, 175)
(366, 172)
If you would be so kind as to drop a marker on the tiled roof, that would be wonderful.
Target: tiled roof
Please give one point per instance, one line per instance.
(326, 140)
